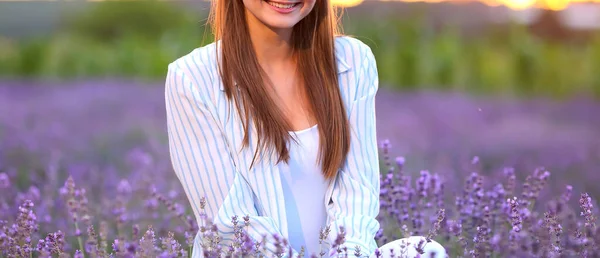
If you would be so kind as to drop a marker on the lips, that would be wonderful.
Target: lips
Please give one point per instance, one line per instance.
(282, 5)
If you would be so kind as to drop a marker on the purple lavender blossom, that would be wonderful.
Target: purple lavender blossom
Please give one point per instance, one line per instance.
(4, 181)
(90, 187)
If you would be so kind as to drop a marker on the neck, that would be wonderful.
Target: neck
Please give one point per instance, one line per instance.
(272, 46)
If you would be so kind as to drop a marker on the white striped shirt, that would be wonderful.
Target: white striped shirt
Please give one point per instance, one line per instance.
(205, 141)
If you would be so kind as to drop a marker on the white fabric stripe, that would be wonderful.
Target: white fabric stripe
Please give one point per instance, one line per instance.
(343, 195)
(180, 130)
(205, 139)
(198, 139)
(219, 147)
(360, 179)
(175, 156)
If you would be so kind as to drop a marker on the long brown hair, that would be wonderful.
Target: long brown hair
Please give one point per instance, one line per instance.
(313, 44)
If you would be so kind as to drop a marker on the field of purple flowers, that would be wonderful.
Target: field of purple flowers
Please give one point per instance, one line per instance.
(85, 171)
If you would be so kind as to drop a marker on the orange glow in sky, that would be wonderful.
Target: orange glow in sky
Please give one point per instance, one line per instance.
(346, 3)
(513, 4)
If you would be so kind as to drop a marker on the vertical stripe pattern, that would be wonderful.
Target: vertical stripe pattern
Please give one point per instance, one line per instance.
(355, 195)
(205, 139)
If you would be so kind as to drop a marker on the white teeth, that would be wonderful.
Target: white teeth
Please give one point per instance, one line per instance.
(283, 6)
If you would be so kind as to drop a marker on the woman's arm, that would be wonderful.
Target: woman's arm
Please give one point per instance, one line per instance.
(202, 159)
(355, 198)
(241, 202)
(196, 142)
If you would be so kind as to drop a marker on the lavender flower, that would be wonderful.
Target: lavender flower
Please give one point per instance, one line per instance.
(4, 181)
(117, 193)
(147, 244)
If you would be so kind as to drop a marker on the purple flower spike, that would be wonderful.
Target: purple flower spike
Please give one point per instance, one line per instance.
(400, 161)
(386, 144)
(4, 181)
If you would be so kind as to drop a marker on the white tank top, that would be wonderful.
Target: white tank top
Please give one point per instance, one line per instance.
(304, 188)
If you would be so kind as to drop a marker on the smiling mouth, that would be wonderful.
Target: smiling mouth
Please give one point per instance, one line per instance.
(282, 5)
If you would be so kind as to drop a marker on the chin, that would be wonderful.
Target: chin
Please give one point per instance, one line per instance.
(280, 24)
(280, 14)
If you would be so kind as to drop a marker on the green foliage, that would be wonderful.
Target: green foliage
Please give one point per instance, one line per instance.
(111, 20)
(414, 55)
(31, 56)
(9, 57)
(139, 38)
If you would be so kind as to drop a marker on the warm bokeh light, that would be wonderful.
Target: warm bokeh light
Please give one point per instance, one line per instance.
(346, 3)
(492, 2)
(513, 4)
(518, 4)
(554, 4)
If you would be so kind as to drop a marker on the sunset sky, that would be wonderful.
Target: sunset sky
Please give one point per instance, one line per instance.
(514, 4)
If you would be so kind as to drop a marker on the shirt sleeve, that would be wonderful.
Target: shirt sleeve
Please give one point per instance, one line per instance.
(203, 161)
(196, 143)
(241, 202)
(355, 198)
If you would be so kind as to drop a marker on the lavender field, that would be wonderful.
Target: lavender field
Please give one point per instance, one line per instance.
(85, 170)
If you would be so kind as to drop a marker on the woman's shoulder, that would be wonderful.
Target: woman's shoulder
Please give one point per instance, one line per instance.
(357, 65)
(199, 65)
(352, 51)
(349, 41)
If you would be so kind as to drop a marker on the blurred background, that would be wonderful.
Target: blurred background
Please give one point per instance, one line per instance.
(466, 86)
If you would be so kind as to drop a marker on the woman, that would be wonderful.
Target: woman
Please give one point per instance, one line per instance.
(276, 120)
